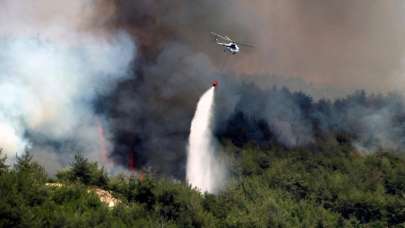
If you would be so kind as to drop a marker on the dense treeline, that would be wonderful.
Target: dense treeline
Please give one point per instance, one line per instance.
(332, 186)
(291, 119)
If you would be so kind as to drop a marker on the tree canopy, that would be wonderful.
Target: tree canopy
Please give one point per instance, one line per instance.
(278, 187)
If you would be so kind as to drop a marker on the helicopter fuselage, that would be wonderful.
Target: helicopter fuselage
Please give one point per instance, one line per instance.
(231, 47)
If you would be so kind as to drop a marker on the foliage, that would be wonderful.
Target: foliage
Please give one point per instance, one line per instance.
(328, 186)
(84, 172)
(3, 165)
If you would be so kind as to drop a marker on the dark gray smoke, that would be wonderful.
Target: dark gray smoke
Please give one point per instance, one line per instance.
(152, 117)
(348, 44)
(368, 123)
(323, 48)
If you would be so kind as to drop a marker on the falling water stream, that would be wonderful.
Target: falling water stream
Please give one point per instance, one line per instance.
(203, 169)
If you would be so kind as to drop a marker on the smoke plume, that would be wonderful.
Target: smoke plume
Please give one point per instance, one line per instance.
(65, 66)
(51, 73)
(346, 45)
(323, 48)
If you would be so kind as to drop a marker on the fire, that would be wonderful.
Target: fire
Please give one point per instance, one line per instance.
(102, 143)
(132, 167)
(131, 162)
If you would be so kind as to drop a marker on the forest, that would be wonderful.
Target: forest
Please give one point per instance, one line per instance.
(329, 184)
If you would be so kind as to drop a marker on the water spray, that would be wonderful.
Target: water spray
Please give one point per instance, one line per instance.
(204, 171)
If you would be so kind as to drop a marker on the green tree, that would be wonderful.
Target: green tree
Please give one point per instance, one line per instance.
(85, 172)
(3, 165)
(24, 166)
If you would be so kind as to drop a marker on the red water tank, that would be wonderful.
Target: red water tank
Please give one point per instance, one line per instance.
(215, 83)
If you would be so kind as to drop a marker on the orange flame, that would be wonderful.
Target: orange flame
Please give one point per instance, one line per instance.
(102, 143)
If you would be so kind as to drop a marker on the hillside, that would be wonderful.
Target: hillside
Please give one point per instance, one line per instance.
(333, 187)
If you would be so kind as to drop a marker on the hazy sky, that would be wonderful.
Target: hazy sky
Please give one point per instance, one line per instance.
(356, 44)
(343, 43)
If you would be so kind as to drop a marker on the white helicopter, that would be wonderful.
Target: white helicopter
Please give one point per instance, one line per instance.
(231, 46)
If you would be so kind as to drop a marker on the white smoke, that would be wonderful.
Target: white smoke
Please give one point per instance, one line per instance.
(51, 72)
(47, 87)
(205, 170)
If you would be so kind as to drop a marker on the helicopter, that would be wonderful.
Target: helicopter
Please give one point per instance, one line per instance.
(230, 46)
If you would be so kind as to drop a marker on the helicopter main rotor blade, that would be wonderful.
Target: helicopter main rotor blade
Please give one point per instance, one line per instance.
(221, 36)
